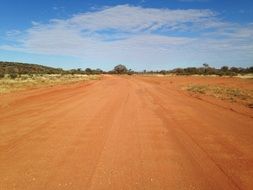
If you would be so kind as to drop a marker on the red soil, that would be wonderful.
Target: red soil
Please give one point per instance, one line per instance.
(125, 133)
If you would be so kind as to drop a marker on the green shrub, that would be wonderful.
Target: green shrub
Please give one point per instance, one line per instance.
(1, 75)
(13, 75)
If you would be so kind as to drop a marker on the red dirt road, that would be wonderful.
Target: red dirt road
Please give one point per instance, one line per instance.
(122, 133)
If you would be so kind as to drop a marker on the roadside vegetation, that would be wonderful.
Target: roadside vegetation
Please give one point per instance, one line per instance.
(15, 76)
(205, 70)
(225, 93)
(14, 70)
(9, 84)
(19, 76)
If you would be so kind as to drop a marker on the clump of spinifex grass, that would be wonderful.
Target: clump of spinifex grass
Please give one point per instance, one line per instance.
(9, 84)
(224, 93)
(201, 89)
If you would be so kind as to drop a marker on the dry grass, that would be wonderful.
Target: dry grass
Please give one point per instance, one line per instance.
(28, 82)
(248, 76)
(225, 93)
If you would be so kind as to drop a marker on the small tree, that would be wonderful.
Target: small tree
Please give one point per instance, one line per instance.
(98, 71)
(88, 71)
(120, 69)
(234, 69)
(205, 65)
(163, 72)
(130, 72)
(224, 68)
(79, 70)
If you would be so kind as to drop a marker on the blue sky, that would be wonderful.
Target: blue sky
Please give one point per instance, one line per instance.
(142, 34)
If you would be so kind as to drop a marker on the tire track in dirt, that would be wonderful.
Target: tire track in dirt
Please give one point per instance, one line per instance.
(183, 120)
(122, 133)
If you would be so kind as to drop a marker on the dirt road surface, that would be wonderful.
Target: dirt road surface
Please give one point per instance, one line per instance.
(122, 133)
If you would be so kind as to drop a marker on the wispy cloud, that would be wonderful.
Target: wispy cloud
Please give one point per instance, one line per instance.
(136, 35)
(194, 0)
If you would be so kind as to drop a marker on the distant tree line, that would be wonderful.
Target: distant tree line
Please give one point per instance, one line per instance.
(87, 71)
(14, 69)
(205, 70)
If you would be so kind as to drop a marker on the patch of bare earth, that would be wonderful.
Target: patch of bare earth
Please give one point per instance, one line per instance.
(127, 132)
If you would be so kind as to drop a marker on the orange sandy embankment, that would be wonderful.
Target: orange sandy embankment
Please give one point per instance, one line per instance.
(125, 133)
